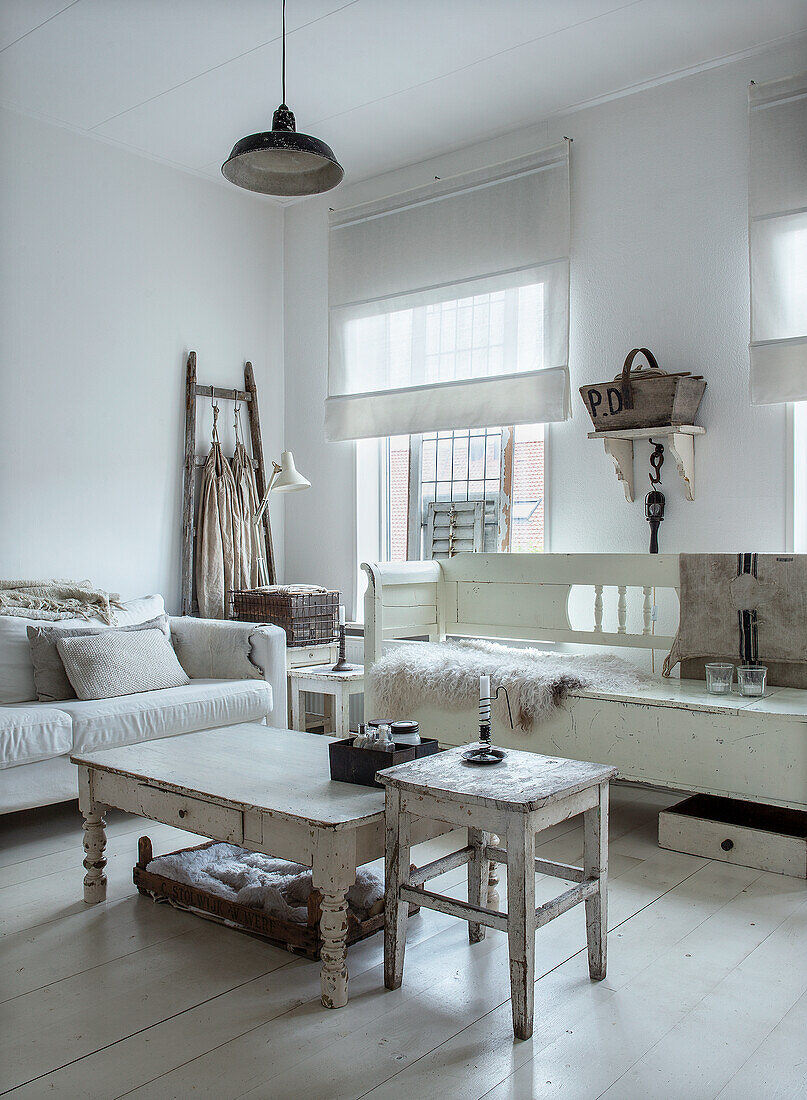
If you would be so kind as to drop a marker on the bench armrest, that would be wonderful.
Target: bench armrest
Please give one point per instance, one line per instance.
(225, 649)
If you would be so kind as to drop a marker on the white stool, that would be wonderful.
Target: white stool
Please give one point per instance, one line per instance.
(523, 795)
(323, 680)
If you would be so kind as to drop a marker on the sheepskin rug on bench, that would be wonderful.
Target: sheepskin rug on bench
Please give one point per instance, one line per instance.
(446, 674)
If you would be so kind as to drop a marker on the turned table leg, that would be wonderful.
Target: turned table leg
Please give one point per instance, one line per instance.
(333, 929)
(94, 859)
(334, 872)
(94, 841)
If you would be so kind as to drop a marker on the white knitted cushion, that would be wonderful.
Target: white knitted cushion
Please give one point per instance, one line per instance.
(113, 663)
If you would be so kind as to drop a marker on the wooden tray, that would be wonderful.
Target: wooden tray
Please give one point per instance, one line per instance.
(301, 939)
(349, 765)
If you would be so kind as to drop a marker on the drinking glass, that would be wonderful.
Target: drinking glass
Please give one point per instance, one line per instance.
(751, 679)
(719, 678)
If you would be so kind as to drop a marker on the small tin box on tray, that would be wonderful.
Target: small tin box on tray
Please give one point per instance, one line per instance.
(308, 614)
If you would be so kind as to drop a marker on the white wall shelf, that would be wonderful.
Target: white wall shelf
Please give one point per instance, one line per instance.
(679, 439)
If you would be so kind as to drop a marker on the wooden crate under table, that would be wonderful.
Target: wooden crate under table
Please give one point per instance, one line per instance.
(301, 939)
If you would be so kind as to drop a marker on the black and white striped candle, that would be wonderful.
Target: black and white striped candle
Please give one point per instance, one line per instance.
(484, 701)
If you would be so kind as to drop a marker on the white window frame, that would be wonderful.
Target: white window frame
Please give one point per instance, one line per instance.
(797, 478)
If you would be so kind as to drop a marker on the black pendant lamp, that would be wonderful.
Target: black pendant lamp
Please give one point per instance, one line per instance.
(283, 162)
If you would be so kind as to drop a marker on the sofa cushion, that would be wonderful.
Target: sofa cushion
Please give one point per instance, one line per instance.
(49, 674)
(16, 670)
(139, 610)
(33, 733)
(120, 662)
(202, 704)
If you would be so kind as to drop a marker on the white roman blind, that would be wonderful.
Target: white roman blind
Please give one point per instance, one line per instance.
(449, 305)
(777, 209)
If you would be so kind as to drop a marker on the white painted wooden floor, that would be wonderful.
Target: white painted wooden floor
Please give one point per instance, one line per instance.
(706, 994)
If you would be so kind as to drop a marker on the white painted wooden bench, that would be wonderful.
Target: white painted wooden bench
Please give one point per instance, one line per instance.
(675, 735)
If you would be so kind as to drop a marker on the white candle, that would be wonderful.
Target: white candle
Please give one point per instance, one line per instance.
(341, 614)
(484, 688)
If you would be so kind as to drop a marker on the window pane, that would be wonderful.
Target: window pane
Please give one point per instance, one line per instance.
(494, 456)
(397, 497)
(444, 457)
(429, 459)
(528, 490)
(477, 456)
(460, 471)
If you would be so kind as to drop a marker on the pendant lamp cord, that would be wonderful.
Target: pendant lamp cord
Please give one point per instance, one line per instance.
(284, 49)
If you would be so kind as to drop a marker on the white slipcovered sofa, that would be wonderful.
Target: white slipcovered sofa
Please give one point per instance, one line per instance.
(36, 738)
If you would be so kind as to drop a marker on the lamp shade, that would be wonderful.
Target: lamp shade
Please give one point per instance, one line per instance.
(289, 480)
(282, 162)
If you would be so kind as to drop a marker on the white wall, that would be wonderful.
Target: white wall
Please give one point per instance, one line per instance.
(113, 268)
(659, 259)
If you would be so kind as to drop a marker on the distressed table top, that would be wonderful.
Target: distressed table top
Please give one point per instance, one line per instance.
(523, 781)
(326, 673)
(249, 766)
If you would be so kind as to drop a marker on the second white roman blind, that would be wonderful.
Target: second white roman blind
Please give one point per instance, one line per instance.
(777, 202)
(449, 305)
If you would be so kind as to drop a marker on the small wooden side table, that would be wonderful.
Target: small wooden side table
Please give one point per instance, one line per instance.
(305, 657)
(322, 679)
(523, 795)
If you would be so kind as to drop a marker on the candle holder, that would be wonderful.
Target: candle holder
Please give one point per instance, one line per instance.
(484, 752)
(342, 665)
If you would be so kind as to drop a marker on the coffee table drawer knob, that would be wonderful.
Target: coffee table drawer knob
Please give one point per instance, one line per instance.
(183, 813)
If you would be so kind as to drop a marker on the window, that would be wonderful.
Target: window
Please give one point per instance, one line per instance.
(777, 205)
(443, 312)
(501, 468)
(799, 497)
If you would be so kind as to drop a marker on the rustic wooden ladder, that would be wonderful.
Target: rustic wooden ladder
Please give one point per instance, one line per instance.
(249, 397)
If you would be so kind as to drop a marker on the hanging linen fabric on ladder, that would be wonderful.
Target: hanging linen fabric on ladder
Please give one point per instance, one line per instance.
(252, 572)
(219, 534)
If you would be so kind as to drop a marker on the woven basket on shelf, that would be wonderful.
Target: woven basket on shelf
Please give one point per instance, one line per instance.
(309, 616)
(643, 397)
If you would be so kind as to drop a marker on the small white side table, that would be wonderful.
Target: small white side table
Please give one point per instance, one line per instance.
(323, 680)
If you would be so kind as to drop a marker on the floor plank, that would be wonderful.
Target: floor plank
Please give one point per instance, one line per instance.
(777, 1068)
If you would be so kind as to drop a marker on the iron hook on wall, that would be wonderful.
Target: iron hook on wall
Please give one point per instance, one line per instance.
(654, 501)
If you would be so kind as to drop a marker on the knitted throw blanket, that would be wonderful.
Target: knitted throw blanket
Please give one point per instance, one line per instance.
(446, 675)
(57, 600)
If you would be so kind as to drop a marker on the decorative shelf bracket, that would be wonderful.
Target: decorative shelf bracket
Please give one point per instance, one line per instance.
(678, 438)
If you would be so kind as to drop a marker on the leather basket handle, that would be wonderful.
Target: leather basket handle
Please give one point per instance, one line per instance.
(627, 389)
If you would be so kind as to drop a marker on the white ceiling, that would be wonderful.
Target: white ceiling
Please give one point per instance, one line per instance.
(384, 82)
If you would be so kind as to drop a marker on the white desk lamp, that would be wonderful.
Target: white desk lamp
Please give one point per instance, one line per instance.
(285, 479)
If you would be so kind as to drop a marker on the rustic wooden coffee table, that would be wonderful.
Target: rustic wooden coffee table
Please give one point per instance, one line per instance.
(266, 789)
